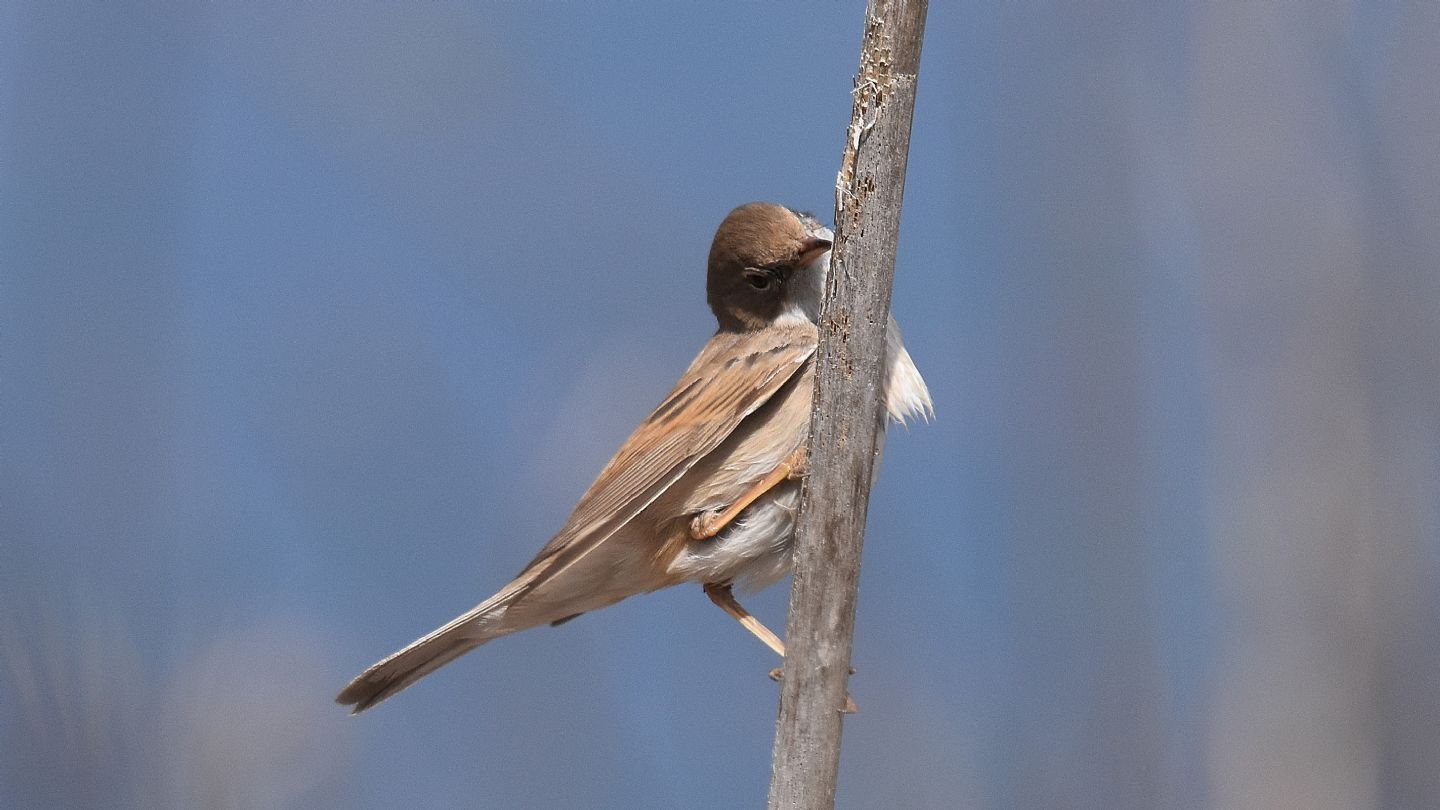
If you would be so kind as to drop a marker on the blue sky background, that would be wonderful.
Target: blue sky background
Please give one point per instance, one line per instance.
(316, 318)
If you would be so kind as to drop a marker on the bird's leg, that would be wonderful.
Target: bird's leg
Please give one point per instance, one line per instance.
(708, 524)
(725, 600)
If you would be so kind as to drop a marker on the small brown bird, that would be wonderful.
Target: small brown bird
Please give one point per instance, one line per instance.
(706, 489)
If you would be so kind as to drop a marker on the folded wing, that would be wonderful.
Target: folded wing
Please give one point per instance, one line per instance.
(735, 374)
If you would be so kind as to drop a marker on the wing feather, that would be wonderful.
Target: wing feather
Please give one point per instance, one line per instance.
(735, 374)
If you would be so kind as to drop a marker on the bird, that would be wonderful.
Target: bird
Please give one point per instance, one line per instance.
(706, 489)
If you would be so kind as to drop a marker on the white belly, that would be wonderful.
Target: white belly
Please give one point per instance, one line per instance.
(755, 551)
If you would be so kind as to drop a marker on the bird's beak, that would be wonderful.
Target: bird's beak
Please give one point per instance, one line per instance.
(810, 250)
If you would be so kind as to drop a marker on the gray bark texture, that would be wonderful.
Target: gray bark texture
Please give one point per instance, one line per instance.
(848, 405)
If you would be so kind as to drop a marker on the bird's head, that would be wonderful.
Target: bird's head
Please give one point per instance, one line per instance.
(764, 266)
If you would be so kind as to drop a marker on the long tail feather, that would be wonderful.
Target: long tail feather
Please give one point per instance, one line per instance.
(423, 656)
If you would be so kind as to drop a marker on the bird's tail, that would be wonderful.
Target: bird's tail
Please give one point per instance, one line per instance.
(423, 656)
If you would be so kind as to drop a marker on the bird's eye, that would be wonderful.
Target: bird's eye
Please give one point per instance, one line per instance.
(759, 279)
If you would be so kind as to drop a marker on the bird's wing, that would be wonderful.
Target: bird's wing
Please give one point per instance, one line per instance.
(736, 373)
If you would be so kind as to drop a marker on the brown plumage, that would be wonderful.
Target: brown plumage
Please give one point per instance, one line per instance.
(736, 414)
(758, 243)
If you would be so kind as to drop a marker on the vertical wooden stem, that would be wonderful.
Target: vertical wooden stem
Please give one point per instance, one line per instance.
(848, 407)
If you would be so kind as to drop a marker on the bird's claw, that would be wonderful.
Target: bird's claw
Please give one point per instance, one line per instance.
(778, 673)
(704, 525)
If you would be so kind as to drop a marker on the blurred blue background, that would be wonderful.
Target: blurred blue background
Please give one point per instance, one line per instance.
(316, 318)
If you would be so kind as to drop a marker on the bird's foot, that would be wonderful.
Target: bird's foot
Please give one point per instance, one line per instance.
(778, 673)
(707, 524)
